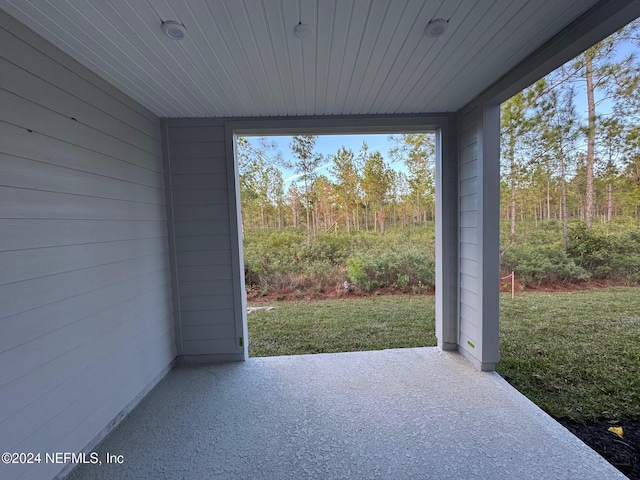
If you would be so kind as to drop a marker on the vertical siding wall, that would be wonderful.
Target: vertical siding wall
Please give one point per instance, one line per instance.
(204, 221)
(85, 300)
(479, 198)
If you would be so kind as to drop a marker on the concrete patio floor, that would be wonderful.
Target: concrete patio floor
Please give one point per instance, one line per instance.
(406, 413)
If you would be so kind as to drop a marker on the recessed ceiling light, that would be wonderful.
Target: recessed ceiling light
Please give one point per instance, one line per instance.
(174, 30)
(302, 30)
(436, 27)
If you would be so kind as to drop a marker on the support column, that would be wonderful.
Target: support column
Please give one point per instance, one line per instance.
(479, 235)
(447, 236)
(489, 169)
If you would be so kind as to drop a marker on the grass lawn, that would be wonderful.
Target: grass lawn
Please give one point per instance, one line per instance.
(576, 354)
(347, 325)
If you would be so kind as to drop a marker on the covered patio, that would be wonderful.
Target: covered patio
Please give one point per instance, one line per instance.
(405, 413)
(120, 234)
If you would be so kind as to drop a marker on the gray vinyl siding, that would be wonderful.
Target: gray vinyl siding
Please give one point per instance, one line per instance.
(86, 323)
(469, 241)
(447, 236)
(201, 176)
(204, 223)
(478, 217)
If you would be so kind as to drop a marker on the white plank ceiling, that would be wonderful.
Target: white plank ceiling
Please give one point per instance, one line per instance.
(240, 57)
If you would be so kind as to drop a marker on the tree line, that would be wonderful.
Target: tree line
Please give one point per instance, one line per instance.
(363, 191)
(559, 164)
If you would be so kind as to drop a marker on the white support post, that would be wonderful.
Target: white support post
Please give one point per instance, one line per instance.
(489, 235)
(447, 236)
(479, 235)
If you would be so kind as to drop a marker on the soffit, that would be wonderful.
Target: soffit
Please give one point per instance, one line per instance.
(240, 58)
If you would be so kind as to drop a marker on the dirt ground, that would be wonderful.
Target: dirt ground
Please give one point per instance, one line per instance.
(255, 295)
(571, 287)
(352, 291)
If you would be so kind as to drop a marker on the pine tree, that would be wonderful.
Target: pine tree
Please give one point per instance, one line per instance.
(347, 181)
(376, 183)
(306, 165)
(517, 121)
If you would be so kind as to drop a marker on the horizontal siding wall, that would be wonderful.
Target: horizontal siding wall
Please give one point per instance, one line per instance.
(469, 242)
(479, 236)
(201, 187)
(86, 323)
(203, 223)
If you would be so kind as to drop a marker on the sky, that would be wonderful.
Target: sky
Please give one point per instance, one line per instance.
(328, 145)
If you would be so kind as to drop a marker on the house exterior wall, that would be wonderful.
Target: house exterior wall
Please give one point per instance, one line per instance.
(479, 202)
(201, 179)
(85, 300)
(205, 223)
(479, 175)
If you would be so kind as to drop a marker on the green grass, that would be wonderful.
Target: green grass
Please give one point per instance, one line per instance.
(346, 325)
(576, 355)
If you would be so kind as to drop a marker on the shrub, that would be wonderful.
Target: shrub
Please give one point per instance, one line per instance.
(320, 275)
(625, 257)
(268, 255)
(403, 258)
(544, 264)
(589, 249)
(326, 248)
(400, 270)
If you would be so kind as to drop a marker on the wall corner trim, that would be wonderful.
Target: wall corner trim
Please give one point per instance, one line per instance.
(171, 234)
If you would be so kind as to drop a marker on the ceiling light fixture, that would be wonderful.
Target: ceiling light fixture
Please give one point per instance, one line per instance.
(174, 30)
(436, 27)
(302, 30)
